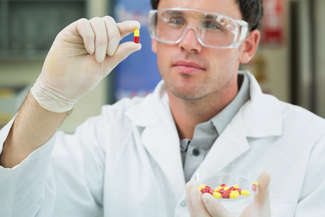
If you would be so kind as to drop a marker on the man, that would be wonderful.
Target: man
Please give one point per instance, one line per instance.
(135, 158)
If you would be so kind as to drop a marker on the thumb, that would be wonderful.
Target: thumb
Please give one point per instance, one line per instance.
(127, 27)
(262, 197)
(214, 207)
(122, 52)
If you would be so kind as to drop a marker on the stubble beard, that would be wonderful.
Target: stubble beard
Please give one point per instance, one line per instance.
(188, 91)
(206, 90)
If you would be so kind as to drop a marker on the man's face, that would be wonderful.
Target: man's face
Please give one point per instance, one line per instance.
(190, 70)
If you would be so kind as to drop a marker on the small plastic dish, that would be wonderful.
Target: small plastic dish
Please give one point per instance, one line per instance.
(229, 175)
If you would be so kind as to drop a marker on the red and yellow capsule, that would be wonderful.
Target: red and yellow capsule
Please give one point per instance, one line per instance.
(201, 186)
(217, 195)
(136, 36)
(255, 186)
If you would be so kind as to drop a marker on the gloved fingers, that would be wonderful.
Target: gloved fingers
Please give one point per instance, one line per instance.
(99, 29)
(113, 35)
(197, 203)
(122, 52)
(127, 27)
(83, 28)
(189, 186)
(214, 207)
(262, 197)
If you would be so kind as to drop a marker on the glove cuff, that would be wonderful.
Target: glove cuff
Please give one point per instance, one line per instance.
(49, 98)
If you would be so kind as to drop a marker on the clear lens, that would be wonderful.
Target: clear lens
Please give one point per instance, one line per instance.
(212, 29)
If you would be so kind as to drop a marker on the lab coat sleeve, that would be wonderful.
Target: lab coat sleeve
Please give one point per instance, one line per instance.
(312, 196)
(63, 177)
(26, 180)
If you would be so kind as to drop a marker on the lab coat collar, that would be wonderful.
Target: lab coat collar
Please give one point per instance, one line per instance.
(262, 114)
(260, 117)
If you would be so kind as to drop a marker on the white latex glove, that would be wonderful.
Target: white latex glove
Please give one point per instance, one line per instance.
(82, 55)
(205, 205)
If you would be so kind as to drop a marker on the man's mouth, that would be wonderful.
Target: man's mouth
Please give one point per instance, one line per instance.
(188, 67)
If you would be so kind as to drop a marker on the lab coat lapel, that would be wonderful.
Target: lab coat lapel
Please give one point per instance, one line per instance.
(260, 117)
(231, 144)
(160, 137)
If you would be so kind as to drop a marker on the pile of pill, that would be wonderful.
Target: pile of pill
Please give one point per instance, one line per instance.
(226, 192)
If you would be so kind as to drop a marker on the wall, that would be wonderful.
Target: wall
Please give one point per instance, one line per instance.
(271, 65)
(320, 8)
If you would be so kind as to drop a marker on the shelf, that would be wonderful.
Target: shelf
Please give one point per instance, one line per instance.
(23, 56)
(41, 1)
(29, 27)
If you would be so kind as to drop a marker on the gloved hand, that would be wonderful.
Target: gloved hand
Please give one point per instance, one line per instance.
(82, 55)
(205, 205)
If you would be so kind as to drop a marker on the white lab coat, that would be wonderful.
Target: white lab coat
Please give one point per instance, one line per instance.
(127, 162)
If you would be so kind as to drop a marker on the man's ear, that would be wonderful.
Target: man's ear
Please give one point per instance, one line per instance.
(154, 45)
(249, 46)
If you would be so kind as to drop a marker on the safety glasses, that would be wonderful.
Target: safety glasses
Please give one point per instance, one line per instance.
(170, 25)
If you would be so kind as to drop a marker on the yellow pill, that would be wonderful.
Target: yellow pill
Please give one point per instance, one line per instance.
(233, 194)
(201, 186)
(218, 188)
(136, 32)
(226, 188)
(217, 194)
(235, 186)
(244, 192)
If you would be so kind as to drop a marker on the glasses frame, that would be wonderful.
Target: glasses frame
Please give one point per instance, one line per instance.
(240, 24)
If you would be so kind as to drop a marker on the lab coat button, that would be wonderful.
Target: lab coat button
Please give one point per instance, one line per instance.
(183, 204)
(196, 152)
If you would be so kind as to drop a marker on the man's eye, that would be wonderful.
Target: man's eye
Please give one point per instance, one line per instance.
(210, 25)
(175, 21)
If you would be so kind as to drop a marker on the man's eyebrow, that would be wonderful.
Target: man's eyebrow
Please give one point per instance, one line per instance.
(172, 12)
(210, 17)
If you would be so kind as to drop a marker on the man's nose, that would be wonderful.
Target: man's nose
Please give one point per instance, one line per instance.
(190, 42)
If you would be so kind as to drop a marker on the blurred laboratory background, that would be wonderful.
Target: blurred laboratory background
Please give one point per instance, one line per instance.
(289, 64)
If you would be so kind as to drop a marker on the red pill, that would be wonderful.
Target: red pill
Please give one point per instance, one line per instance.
(223, 185)
(136, 39)
(204, 190)
(221, 191)
(211, 191)
(226, 194)
(255, 185)
(232, 188)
